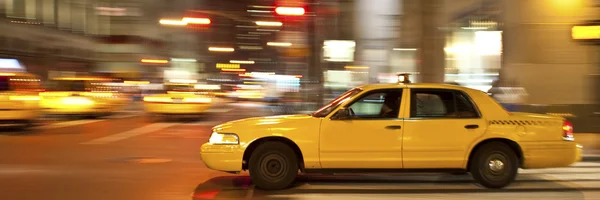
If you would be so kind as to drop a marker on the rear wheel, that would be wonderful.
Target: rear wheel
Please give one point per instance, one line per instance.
(273, 166)
(494, 165)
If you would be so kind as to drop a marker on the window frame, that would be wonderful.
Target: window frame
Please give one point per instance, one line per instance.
(370, 92)
(455, 92)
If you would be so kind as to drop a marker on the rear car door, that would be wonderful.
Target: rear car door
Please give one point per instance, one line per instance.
(440, 128)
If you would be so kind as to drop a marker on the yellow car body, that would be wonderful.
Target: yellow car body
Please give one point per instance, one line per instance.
(417, 139)
(178, 99)
(19, 100)
(79, 96)
(177, 103)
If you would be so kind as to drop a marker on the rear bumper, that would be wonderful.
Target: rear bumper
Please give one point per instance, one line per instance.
(551, 154)
(176, 108)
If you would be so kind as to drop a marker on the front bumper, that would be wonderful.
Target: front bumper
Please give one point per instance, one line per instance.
(176, 108)
(227, 158)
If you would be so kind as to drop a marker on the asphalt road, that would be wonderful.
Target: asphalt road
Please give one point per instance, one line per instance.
(133, 156)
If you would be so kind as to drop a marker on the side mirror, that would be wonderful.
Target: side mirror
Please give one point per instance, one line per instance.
(342, 114)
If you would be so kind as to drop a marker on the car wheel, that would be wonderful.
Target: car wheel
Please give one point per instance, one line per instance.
(494, 165)
(273, 166)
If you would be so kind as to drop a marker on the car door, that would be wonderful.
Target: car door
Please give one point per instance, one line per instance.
(439, 128)
(370, 138)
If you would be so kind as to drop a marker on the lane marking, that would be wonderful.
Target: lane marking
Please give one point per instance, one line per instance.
(68, 123)
(131, 133)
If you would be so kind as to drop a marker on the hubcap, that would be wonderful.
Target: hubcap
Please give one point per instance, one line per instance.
(273, 167)
(496, 165)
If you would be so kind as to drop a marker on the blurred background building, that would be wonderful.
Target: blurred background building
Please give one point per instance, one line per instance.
(523, 52)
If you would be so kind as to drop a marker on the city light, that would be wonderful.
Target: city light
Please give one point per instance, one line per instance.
(192, 20)
(266, 23)
(233, 70)
(356, 67)
(293, 11)
(221, 49)
(242, 61)
(137, 82)
(183, 60)
(182, 81)
(172, 22)
(404, 49)
(227, 66)
(279, 44)
(585, 32)
(155, 61)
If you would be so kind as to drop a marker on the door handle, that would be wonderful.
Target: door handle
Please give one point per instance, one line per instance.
(393, 127)
(472, 126)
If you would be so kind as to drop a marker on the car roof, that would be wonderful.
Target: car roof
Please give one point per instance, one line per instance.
(414, 85)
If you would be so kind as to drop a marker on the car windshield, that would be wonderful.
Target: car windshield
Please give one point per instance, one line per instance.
(325, 110)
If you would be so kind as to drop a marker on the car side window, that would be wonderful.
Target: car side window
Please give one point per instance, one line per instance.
(464, 106)
(377, 105)
(439, 103)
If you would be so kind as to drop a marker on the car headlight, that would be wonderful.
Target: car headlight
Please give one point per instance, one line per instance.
(77, 101)
(224, 138)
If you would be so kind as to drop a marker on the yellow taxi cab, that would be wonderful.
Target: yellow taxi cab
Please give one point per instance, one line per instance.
(87, 96)
(405, 127)
(19, 100)
(178, 99)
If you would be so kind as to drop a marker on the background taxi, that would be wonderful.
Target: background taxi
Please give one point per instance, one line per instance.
(84, 96)
(178, 99)
(19, 100)
(395, 127)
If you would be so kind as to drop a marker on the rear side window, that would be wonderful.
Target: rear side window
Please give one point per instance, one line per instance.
(440, 103)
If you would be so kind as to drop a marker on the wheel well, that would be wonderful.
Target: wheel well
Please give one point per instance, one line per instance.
(512, 144)
(256, 143)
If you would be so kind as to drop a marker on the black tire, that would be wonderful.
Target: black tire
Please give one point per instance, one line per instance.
(273, 166)
(486, 170)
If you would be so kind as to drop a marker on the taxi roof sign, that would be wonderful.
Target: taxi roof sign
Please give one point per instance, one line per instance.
(404, 77)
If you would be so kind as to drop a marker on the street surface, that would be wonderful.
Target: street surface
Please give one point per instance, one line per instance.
(134, 156)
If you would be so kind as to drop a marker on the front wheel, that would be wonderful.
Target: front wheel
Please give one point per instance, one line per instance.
(273, 166)
(494, 165)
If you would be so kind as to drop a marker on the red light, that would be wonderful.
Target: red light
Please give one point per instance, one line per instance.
(568, 131)
(294, 11)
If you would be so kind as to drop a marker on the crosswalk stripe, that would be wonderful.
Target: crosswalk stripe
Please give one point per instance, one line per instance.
(69, 123)
(131, 133)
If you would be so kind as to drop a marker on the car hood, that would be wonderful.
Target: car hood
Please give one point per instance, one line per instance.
(289, 121)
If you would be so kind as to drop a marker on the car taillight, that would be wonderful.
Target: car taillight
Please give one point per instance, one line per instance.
(568, 131)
